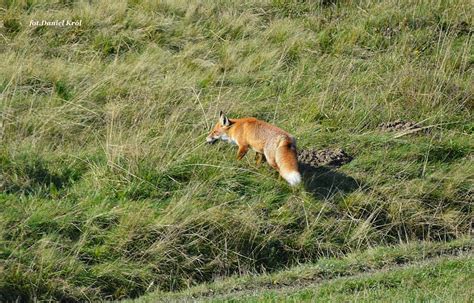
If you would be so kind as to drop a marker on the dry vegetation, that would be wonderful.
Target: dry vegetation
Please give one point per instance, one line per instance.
(108, 191)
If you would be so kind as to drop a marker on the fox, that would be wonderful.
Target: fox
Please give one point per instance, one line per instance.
(271, 143)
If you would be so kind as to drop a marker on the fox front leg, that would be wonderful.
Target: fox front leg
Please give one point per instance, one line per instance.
(243, 149)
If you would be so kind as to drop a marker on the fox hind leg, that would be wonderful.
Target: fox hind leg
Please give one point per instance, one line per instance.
(259, 157)
(271, 160)
(274, 165)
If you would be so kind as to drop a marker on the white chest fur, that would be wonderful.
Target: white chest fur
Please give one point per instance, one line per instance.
(228, 139)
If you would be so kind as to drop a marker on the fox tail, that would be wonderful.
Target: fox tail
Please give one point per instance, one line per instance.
(287, 161)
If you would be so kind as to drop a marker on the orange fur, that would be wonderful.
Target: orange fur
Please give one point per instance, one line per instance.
(278, 146)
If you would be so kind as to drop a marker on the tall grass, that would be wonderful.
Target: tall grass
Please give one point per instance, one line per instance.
(107, 187)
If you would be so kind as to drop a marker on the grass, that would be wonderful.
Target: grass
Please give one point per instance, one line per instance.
(107, 190)
(435, 281)
(408, 272)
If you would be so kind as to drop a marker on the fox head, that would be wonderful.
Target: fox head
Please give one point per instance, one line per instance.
(220, 129)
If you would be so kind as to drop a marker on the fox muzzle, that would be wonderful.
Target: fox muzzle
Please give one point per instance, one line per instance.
(211, 140)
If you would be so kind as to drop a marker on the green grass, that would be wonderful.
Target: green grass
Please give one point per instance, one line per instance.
(409, 272)
(445, 280)
(108, 190)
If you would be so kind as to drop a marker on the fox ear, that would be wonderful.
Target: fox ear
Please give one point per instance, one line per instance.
(223, 119)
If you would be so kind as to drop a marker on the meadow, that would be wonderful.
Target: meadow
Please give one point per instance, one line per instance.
(108, 190)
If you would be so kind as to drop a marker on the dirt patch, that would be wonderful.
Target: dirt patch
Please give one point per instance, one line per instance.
(399, 125)
(325, 157)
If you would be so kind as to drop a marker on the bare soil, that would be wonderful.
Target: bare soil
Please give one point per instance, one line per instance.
(325, 157)
(399, 125)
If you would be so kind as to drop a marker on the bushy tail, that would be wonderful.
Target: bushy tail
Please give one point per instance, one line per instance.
(287, 161)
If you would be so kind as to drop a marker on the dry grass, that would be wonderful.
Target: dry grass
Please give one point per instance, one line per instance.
(108, 190)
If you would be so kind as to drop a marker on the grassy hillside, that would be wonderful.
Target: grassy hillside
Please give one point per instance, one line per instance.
(108, 191)
(439, 280)
(406, 273)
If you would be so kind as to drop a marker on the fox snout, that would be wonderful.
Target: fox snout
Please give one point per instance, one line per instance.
(211, 140)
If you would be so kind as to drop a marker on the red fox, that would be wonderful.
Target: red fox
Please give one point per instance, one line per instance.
(270, 142)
